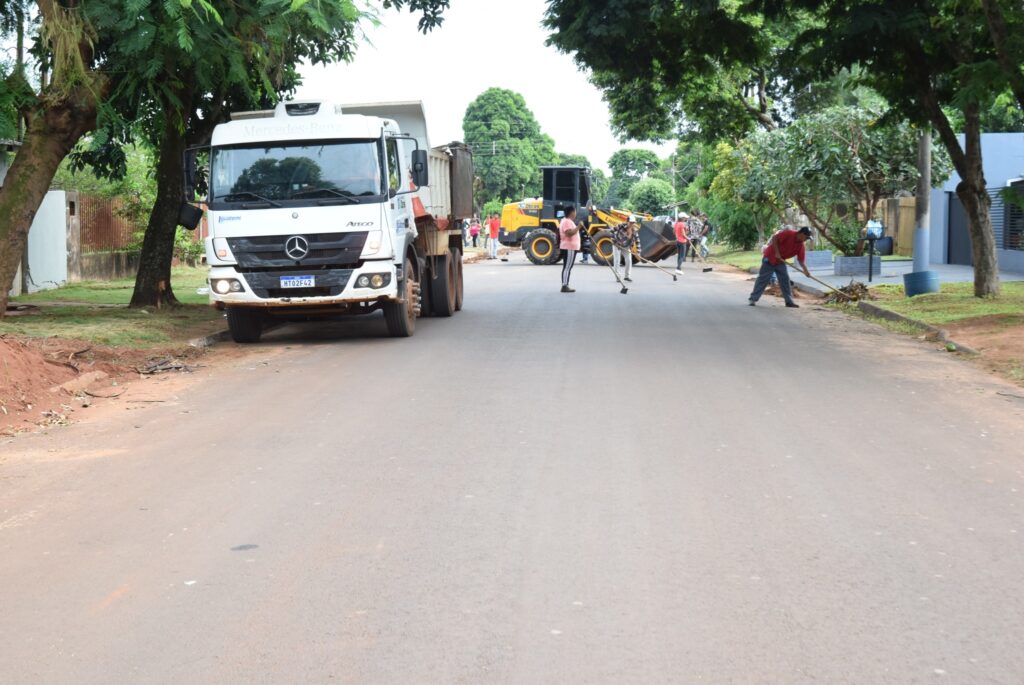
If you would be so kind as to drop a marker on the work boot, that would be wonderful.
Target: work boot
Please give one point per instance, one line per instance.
(627, 278)
(752, 303)
(567, 289)
(794, 305)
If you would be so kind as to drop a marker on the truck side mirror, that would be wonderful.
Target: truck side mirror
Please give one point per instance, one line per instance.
(419, 168)
(189, 216)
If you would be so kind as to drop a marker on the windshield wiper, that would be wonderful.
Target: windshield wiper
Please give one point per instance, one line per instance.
(341, 194)
(245, 193)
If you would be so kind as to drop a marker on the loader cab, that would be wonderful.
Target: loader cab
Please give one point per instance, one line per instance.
(564, 186)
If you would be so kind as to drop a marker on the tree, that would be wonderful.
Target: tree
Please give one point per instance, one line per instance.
(732, 193)
(628, 166)
(64, 108)
(926, 58)
(651, 195)
(508, 145)
(663, 65)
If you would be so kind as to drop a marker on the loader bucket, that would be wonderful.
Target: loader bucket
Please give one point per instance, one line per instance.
(657, 240)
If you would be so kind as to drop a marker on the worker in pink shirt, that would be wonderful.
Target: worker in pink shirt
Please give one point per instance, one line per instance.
(569, 233)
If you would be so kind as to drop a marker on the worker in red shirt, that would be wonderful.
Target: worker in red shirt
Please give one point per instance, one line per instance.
(780, 247)
(682, 242)
(494, 224)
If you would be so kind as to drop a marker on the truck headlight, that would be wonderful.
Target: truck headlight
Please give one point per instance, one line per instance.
(375, 281)
(223, 286)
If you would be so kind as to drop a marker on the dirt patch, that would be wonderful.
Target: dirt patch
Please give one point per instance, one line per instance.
(999, 339)
(43, 382)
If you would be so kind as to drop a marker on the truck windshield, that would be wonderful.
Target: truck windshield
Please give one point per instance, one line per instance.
(296, 173)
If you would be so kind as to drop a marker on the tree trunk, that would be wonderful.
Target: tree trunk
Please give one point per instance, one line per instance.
(153, 281)
(51, 134)
(972, 193)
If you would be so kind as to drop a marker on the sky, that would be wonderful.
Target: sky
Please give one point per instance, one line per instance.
(482, 43)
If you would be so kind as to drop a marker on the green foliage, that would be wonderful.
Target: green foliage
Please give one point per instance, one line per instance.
(1003, 115)
(494, 207)
(508, 146)
(712, 69)
(652, 195)
(628, 166)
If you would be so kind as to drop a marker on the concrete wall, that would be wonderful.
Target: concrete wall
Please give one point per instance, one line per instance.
(1003, 155)
(106, 266)
(47, 245)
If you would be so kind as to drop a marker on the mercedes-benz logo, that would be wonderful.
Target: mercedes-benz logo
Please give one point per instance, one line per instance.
(296, 247)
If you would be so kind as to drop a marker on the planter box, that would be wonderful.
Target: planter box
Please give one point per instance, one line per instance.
(857, 266)
(819, 259)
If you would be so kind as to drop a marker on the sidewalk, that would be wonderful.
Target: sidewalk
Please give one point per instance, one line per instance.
(892, 274)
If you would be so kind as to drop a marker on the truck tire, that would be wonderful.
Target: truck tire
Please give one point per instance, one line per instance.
(541, 246)
(602, 251)
(457, 256)
(401, 316)
(245, 324)
(443, 286)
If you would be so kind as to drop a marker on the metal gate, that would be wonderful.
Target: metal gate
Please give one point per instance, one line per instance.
(959, 242)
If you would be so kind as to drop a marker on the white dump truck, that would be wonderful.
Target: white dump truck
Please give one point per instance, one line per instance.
(322, 210)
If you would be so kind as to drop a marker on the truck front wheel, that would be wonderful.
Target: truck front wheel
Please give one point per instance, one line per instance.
(401, 316)
(246, 324)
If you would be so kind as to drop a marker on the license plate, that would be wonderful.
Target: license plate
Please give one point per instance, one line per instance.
(298, 281)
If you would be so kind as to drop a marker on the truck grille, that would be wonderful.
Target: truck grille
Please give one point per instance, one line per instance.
(325, 250)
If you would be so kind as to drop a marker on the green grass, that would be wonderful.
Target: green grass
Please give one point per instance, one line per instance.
(954, 302)
(113, 323)
(741, 259)
(184, 280)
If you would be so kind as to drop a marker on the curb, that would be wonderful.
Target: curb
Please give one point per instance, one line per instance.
(938, 334)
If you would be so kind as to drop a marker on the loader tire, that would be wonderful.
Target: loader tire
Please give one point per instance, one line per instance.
(602, 252)
(245, 324)
(541, 246)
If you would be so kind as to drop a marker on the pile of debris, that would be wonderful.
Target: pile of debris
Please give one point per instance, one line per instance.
(850, 293)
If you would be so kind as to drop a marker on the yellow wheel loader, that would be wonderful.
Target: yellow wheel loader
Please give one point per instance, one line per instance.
(533, 223)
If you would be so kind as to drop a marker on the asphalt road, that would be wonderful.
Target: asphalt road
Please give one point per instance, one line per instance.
(662, 487)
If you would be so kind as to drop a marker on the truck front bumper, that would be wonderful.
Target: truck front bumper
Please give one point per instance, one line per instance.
(330, 286)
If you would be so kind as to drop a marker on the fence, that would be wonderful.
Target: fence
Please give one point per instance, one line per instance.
(103, 228)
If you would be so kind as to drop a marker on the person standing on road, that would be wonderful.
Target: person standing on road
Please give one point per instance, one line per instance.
(780, 247)
(623, 236)
(494, 226)
(474, 230)
(681, 242)
(569, 233)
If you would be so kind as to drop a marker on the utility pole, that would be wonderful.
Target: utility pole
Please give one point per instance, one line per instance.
(922, 280)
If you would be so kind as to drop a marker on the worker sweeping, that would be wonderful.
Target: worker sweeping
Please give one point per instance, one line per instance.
(784, 244)
(569, 233)
(623, 236)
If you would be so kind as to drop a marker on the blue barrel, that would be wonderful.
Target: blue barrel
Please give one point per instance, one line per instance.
(921, 282)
